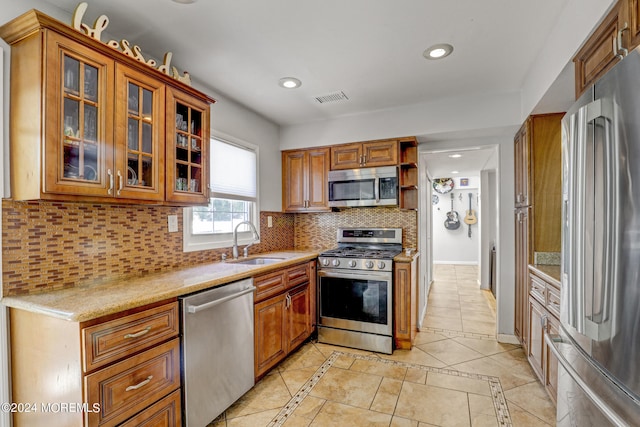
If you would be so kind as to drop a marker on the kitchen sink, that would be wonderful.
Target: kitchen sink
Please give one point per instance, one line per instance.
(258, 260)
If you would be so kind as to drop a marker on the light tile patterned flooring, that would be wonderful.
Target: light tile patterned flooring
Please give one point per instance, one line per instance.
(456, 375)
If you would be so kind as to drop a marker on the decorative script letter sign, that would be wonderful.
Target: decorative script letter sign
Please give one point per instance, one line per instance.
(124, 46)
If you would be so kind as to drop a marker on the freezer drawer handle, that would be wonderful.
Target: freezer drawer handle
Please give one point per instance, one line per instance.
(196, 308)
(139, 334)
(141, 384)
(552, 341)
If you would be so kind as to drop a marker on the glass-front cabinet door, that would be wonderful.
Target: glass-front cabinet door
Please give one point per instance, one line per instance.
(187, 149)
(139, 126)
(79, 138)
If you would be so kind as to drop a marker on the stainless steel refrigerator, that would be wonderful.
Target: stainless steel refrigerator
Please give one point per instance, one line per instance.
(598, 347)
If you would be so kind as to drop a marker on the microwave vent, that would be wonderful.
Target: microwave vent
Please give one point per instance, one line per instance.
(332, 97)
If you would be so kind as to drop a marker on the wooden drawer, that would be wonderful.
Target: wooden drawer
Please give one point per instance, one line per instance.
(297, 275)
(125, 388)
(113, 340)
(537, 288)
(553, 300)
(269, 284)
(165, 413)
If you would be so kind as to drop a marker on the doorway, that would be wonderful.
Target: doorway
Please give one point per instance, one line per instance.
(474, 195)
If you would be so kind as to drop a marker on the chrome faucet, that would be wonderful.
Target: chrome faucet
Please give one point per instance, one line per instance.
(256, 237)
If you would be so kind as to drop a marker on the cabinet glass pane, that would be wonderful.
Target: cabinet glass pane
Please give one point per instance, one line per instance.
(147, 135)
(90, 83)
(90, 123)
(182, 177)
(71, 75)
(132, 136)
(71, 119)
(147, 104)
(80, 127)
(146, 171)
(194, 181)
(196, 122)
(134, 101)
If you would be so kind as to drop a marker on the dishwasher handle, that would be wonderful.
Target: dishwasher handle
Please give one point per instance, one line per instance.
(196, 308)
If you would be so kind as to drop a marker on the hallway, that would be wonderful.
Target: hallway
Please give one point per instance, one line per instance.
(457, 374)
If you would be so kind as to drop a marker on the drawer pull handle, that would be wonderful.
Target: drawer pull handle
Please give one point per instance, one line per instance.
(142, 384)
(139, 334)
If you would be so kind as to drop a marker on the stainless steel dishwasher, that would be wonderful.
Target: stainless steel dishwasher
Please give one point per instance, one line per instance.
(217, 350)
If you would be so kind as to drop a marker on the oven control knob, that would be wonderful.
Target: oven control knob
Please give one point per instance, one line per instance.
(352, 263)
(369, 264)
(324, 262)
(381, 265)
(335, 262)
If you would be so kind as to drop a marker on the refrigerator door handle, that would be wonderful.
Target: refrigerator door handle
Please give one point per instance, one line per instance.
(594, 220)
(552, 342)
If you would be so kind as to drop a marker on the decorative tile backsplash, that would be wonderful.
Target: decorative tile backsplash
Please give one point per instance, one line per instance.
(49, 245)
(319, 230)
(53, 245)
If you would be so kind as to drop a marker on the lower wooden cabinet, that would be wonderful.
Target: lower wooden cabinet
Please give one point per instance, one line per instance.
(405, 297)
(543, 316)
(535, 351)
(283, 314)
(125, 368)
(166, 412)
(128, 387)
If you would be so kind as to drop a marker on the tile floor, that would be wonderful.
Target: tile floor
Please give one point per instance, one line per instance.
(456, 375)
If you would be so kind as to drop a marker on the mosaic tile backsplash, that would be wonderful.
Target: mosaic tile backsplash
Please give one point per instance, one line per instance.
(319, 231)
(51, 245)
(48, 245)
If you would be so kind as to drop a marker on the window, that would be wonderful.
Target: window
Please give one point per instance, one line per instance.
(234, 171)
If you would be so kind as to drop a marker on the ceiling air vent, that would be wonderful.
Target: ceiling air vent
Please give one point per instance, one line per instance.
(332, 97)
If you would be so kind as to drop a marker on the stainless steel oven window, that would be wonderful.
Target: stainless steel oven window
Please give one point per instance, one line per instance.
(355, 301)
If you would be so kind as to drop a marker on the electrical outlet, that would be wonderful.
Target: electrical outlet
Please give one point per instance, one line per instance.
(269, 221)
(173, 223)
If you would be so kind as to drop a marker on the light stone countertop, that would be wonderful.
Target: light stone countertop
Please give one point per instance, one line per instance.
(88, 302)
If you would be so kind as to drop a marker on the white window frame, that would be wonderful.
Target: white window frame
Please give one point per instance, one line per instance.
(201, 242)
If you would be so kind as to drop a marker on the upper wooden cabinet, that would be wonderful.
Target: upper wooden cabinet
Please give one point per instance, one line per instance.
(521, 165)
(88, 123)
(538, 201)
(616, 35)
(304, 180)
(187, 149)
(364, 154)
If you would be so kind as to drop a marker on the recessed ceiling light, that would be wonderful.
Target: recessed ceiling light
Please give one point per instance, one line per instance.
(289, 82)
(455, 171)
(438, 51)
(455, 156)
(184, 1)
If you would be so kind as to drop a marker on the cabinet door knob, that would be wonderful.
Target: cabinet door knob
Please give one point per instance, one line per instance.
(110, 190)
(120, 183)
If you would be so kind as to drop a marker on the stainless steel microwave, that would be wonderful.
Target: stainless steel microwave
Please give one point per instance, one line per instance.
(364, 187)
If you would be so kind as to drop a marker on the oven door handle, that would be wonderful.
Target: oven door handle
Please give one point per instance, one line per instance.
(356, 275)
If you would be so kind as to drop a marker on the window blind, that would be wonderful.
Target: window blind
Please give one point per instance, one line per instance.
(233, 171)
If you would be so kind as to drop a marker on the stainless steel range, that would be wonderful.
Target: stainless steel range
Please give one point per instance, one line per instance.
(355, 289)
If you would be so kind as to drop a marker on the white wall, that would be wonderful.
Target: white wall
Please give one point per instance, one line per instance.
(455, 246)
(472, 113)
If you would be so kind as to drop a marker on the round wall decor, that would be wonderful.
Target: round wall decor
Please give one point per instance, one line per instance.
(443, 185)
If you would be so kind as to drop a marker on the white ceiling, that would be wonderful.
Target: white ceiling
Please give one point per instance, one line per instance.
(470, 162)
(370, 49)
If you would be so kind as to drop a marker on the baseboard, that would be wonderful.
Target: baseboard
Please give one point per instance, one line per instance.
(508, 339)
(457, 262)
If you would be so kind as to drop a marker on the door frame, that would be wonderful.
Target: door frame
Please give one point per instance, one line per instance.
(425, 220)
